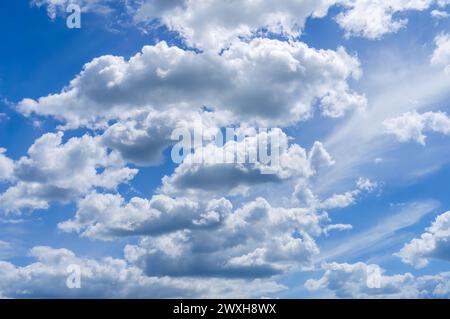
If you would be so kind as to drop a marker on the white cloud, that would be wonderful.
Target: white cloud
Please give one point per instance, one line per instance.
(215, 24)
(374, 18)
(412, 126)
(361, 280)
(304, 195)
(264, 82)
(182, 237)
(47, 278)
(6, 166)
(207, 24)
(441, 55)
(57, 171)
(142, 138)
(255, 241)
(439, 14)
(215, 174)
(337, 227)
(107, 216)
(268, 82)
(433, 243)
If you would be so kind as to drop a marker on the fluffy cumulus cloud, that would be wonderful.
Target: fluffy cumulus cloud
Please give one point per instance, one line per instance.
(215, 24)
(256, 240)
(207, 24)
(107, 216)
(181, 237)
(441, 55)
(374, 18)
(434, 243)
(361, 280)
(439, 14)
(213, 173)
(47, 277)
(58, 171)
(142, 137)
(6, 166)
(264, 81)
(412, 126)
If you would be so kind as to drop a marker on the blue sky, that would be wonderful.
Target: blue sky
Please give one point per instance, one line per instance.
(361, 198)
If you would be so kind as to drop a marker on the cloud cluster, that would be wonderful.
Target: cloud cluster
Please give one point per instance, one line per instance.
(361, 280)
(192, 239)
(107, 216)
(58, 171)
(255, 240)
(142, 138)
(183, 237)
(215, 24)
(434, 243)
(263, 81)
(6, 166)
(412, 126)
(47, 277)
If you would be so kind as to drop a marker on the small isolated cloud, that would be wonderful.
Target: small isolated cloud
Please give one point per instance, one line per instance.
(412, 126)
(439, 14)
(304, 195)
(216, 228)
(207, 25)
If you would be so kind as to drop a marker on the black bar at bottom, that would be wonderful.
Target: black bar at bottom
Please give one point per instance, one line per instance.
(206, 309)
